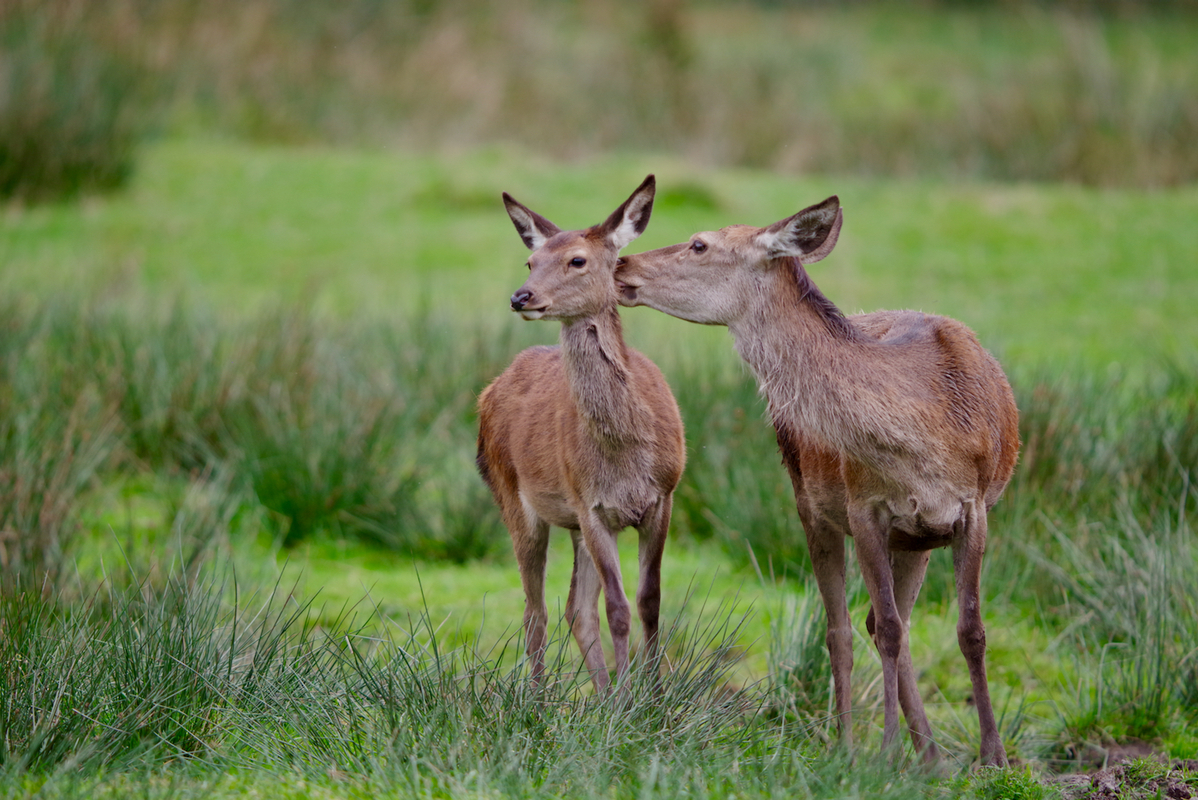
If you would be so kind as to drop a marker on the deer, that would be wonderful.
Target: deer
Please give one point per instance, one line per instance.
(897, 429)
(584, 436)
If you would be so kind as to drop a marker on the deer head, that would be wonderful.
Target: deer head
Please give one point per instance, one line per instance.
(570, 272)
(716, 275)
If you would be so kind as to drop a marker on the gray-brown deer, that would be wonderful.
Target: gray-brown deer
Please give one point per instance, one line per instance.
(897, 428)
(585, 436)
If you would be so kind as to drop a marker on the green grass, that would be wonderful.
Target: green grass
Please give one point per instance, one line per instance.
(1062, 275)
(281, 348)
(243, 546)
(143, 686)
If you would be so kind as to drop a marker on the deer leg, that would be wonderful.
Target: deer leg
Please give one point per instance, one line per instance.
(889, 633)
(601, 544)
(530, 539)
(826, 547)
(652, 545)
(909, 569)
(968, 550)
(582, 612)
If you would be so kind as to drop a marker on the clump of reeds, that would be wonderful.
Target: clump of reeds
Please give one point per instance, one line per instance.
(1129, 587)
(187, 681)
(71, 110)
(368, 431)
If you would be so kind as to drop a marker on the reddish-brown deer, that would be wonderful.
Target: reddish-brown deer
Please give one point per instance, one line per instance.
(585, 436)
(897, 428)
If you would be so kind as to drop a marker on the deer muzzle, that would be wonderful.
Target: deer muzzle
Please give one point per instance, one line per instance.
(521, 299)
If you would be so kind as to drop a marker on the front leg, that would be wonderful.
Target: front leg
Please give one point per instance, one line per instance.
(869, 532)
(825, 545)
(909, 569)
(600, 542)
(530, 540)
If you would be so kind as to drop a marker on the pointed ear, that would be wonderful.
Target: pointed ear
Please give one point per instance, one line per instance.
(534, 229)
(809, 235)
(632, 217)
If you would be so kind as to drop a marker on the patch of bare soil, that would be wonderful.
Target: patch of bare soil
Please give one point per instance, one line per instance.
(1133, 780)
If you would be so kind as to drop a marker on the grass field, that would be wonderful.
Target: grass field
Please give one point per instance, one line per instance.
(262, 333)
(1044, 273)
(255, 270)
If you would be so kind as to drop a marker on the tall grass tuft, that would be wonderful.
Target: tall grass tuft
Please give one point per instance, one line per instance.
(367, 430)
(139, 675)
(799, 663)
(1089, 439)
(735, 489)
(71, 111)
(56, 438)
(190, 681)
(1132, 590)
(360, 431)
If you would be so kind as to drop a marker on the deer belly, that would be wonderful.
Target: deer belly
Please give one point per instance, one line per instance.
(549, 507)
(617, 518)
(926, 525)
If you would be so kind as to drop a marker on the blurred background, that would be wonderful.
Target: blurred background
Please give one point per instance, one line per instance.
(1098, 93)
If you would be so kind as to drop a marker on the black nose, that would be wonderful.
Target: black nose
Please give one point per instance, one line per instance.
(520, 299)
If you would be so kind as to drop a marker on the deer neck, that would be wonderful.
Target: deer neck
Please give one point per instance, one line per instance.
(806, 357)
(598, 374)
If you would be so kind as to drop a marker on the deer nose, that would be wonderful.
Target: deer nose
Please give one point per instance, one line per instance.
(520, 299)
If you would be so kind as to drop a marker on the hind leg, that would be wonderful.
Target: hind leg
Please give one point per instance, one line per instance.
(971, 633)
(652, 546)
(909, 570)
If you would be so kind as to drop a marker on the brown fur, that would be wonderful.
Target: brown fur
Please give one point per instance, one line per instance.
(584, 436)
(897, 428)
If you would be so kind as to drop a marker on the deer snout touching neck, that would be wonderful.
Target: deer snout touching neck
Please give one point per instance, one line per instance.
(584, 436)
(897, 428)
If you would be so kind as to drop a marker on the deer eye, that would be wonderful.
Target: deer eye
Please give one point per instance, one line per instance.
(698, 246)
(578, 261)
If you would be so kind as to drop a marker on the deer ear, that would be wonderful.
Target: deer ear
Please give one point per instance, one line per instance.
(809, 235)
(632, 217)
(534, 229)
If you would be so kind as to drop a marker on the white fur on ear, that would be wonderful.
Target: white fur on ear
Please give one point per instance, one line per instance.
(534, 229)
(777, 244)
(635, 219)
(808, 235)
(632, 217)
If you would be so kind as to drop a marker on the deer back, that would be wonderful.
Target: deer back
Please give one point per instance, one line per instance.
(907, 401)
